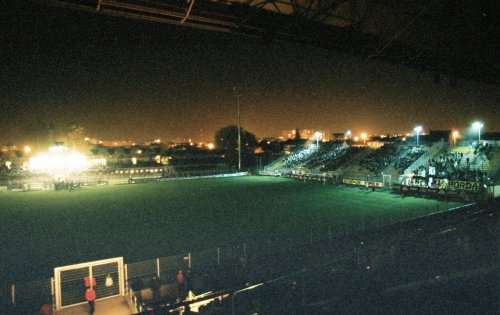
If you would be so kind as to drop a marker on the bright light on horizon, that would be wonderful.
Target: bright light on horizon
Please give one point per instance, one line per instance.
(418, 130)
(317, 135)
(455, 135)
(477, 125)
(58, 163)
(56, 149)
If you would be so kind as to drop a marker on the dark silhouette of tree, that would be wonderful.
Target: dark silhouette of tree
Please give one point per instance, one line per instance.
(297, 134)
(226, 139)
(39, 134)
(75, 137)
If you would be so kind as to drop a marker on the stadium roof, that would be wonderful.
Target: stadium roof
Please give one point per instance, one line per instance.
(450, 38)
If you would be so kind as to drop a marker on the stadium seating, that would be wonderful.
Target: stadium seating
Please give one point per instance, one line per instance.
(472, 162)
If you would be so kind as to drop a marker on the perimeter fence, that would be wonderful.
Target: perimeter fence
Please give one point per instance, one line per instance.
(33, 181)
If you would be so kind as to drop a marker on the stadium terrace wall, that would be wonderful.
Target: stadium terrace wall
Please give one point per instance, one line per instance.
(449, 194)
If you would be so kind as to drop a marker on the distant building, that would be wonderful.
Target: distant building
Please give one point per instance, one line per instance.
(306, 134)
(117, 143)
(339, 137)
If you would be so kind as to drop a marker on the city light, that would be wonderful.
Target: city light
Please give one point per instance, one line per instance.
(478, 125)
(418, 130)
(455, 135)
(27, 149)
(349, 134)
(363, 136)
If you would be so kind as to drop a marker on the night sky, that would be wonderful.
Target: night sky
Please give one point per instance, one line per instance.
(128, 79)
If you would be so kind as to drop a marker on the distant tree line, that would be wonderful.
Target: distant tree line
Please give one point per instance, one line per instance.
(40, 135)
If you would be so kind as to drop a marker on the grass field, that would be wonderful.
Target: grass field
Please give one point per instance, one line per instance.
(45, 229)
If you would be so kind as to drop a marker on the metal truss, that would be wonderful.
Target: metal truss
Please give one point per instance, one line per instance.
(397, 31)
(226, 15)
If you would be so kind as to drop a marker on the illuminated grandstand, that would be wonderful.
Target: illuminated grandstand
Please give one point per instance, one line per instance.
(437, 165)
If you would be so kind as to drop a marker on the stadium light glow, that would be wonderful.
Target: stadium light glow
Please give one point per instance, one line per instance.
(56, 149)
(455, 135)
(477, 126)
(363, 136)
(58, 163)
(349, 134)
(418, 130)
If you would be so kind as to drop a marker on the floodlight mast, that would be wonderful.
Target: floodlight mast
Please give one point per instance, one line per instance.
(417, 130)
(317, 134)
(237, 95)
(478, 125)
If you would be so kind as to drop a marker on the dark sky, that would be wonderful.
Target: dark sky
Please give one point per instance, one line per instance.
(130, 79)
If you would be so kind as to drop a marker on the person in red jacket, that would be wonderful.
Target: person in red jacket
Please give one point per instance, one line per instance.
(46, 309)
(179, 277)
(90, 296)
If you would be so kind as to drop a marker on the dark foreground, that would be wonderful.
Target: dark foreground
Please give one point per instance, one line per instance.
(447, 263)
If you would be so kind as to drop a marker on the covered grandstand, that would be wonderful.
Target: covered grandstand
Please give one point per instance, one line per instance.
(436, 165)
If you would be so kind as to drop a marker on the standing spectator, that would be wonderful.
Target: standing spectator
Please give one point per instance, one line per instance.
(179, 277)
(206, 281)
(89, 282)
(46, 309)
(155, 287)
(90, 296)
(189, 280)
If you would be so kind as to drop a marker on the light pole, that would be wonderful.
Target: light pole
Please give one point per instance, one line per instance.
(317, 134)
(417, 130)
(237, 95)
(455, 136)
(363, 136)
(349, 133)
(478, 125)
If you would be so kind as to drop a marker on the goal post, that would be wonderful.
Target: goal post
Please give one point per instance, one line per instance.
(105, 276)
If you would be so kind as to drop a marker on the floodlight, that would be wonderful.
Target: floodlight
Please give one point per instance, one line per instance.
(363, 136)
(349, 133)
(478, 125)
(317, 134)
(418, 130)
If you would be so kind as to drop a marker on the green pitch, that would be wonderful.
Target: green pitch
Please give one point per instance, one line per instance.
(44, 229)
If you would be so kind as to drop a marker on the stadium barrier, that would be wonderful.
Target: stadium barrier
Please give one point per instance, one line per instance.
(33, 184)
(323, 178)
